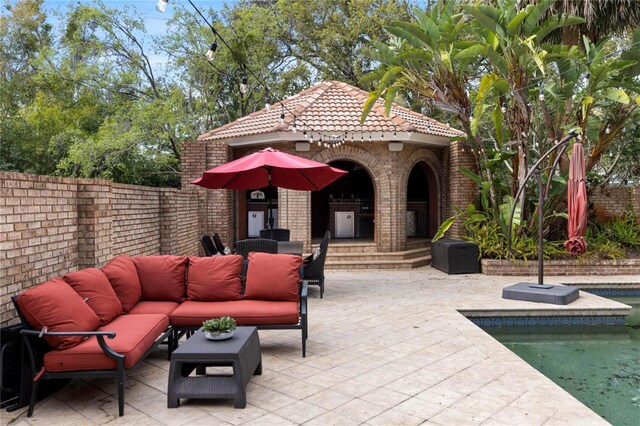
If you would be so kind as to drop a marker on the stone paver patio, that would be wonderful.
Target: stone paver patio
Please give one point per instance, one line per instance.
(384, 348)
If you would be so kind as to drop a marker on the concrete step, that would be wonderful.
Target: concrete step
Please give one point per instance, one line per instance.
(395, 264)
(407, 259)
(339, 247)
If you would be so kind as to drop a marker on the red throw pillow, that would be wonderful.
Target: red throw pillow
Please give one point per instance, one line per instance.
(162, 277)
(93, 285)
(214, 278)
(123, 276)
(58, 307)
(273, 277)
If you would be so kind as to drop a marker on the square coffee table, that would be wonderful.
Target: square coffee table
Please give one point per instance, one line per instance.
(241, 352)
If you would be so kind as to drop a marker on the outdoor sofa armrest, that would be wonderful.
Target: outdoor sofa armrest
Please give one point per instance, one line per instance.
(304, 289)
(100, 335)
(45, 332)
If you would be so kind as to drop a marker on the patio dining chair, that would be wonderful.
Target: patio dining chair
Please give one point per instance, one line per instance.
(244, 247)
(278, 234)
(313, 265)
(208, 246)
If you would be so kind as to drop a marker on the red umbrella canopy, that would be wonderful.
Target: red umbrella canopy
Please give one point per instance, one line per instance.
(270, 167)
(576, 202)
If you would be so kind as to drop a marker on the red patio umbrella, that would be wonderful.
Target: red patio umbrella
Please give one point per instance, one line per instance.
(577, 202)
(270, 167)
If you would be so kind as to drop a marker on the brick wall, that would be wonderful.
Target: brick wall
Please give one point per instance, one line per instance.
(136, 220)
(38, 233)
(50, 226)
(615, 201)
(462, 190)
(562, 267)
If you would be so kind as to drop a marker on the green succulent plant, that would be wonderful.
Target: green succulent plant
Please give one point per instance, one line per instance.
(220, 325)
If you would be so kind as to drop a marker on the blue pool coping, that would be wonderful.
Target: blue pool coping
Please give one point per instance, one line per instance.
(564, 320)
(613, 292)
(545, 321)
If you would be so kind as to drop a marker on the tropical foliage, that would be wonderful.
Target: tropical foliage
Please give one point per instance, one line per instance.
(514, 91)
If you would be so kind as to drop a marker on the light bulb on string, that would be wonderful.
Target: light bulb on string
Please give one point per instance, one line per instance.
(304, 133)
(293, 126)
(243, 85)
(212, 50)
(503, 109)
(311, 138)
(541, 95)
(161, 6)
(369, 136)
(267, 103)
(608, 129)
(395, 135)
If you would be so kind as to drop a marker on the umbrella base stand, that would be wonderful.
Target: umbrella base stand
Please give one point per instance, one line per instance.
(530, 292)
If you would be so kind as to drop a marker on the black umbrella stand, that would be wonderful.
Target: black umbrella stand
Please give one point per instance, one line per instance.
(539, 292)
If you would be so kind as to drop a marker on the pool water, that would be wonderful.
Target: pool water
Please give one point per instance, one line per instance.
(600, 366)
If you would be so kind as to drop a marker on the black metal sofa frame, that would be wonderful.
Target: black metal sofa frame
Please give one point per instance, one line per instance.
(33, 342)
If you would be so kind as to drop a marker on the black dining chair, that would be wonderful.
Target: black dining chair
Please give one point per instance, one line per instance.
(208, 246)
(218, 242)
(244, 247)
(313, 265)
(278, 234)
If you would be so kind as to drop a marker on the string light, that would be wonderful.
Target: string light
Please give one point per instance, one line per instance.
(243, 85)
(162, 6)
(608, 129)
(212, 49)
(540, 95)
(503, 109)
(267, 103)
(293, 125)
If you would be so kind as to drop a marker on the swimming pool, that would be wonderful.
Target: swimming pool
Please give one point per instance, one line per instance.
(599, 365)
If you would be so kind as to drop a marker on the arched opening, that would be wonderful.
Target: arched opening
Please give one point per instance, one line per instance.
(347, 206)
(422, 202)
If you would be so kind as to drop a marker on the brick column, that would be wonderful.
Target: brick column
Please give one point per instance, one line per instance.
(462, 190)
(218, 212)
(294, 213)
(94, 222)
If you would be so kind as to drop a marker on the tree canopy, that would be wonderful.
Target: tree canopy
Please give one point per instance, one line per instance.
(88, 97)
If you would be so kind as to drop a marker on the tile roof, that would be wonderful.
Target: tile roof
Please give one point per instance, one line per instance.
(329, 107)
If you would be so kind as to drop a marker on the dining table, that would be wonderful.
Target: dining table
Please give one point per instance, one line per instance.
(290, 247)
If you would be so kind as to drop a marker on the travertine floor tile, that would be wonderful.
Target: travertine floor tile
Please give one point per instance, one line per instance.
(429, 364)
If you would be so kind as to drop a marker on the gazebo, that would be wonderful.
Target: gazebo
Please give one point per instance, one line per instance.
(403, 172)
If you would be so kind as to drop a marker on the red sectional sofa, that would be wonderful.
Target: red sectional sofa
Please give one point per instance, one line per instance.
(100, 322)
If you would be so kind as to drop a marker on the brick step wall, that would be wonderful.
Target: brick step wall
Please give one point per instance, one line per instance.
(562, 267)
(407, 259)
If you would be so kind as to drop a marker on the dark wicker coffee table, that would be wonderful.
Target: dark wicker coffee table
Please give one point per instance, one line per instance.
(242, 352)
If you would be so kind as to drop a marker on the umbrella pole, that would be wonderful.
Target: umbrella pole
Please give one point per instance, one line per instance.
(270, 205)
(541, 197)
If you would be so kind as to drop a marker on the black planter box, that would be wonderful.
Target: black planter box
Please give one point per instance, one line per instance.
(455, 256)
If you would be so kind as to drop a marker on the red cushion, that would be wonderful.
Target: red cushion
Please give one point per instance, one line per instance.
(214, 278)
(134, 335)
(162, 277)
(93, 285)
(123, 277)
(58, 307)
(273, 277)
(245, 312)
(164, 308)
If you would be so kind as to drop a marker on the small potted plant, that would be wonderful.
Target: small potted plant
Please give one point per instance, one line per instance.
(219, 328)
